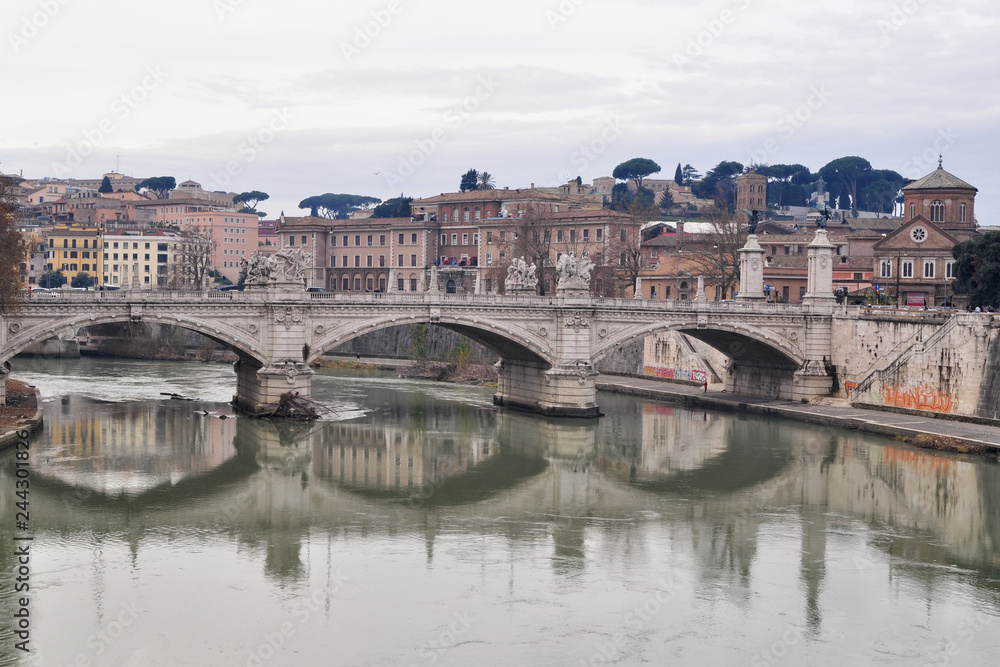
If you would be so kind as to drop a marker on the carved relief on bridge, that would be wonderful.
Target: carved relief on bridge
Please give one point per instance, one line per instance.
(578, 321)
(288, 316)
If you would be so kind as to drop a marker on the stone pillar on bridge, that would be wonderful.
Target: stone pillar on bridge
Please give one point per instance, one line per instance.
(814, 379)
(752, 270)
(282, 368)
(701, 297)
(566, 387)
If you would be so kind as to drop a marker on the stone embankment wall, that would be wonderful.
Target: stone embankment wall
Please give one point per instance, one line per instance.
(674, 356)
(926, 362)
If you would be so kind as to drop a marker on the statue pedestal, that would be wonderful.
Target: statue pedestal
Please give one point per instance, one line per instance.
(819, 291)
(752, 271)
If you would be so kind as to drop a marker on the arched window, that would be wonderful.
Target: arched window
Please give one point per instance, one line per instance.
(963, 212)
(451, 288)
(466, 214)
(937, 211)
(913, 211)
(454, 214)
(478, 213)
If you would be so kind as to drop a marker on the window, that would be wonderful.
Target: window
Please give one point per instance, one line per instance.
(357, 261)
(913, 211)
(949, 269)
(444, 239)
(907, 268)
(413, 239)
(345, 241)
(399, 260)
(357, 240)
(357, 284)
(600, 234)
(401, 284)
(465, 239)
(559, 236)
(333, 240)
(586, 235)
(344, 262)
(370, 240)
(623, 234)
(963, 211)
(454, 239)
(446, 217)
(454, 214)
(929, 268)
(413, 260)
(368, 261)
(478, 213)
(475, 239)
(381, 239)
(489, 259)
(489, 236)
(291, 240)
(937, 211)
(346, 283)
(413, 284)
(503, 236)
(401, 241)
(465, 214)
(381, 260)
(572, 236)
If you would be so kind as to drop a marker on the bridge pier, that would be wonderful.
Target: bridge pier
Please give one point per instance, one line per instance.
(558, 391)
(259, 387)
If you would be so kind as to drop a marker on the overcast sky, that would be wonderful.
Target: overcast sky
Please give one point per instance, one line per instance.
(380, 98)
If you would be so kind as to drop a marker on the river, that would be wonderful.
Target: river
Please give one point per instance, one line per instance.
(416, 524)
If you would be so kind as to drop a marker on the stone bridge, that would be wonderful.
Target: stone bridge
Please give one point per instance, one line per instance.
(548, 346)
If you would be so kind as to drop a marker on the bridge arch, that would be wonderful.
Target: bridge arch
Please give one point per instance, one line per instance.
(21, 337)
(508, 341)
(736, 341)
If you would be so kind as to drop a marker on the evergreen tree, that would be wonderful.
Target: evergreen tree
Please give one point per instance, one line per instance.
(105, 186)
(679, 175)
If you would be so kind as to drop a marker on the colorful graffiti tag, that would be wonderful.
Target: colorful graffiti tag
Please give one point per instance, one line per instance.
(850, 386)
(919, 398)
(676, 374)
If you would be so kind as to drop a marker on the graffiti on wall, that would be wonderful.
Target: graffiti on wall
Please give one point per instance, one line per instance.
(919, 398)
(676, 374)
(850, 386)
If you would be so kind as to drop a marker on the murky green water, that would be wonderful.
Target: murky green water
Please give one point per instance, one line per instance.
(418, 525)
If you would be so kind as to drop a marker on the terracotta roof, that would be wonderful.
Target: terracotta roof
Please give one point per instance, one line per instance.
(939, 179)
(490, 195)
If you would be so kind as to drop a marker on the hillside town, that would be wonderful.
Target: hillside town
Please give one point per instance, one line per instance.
(118, 231)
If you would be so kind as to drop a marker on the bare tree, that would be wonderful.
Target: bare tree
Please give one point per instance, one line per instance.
(530, 236)
(12, 247)
(623, 258)
(192, 259)
(715, 253)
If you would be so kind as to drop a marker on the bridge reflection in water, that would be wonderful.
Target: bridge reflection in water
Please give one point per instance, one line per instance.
(720, 486)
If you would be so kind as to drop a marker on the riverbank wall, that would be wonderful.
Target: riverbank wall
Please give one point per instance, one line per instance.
(13, 427)
(907, 427)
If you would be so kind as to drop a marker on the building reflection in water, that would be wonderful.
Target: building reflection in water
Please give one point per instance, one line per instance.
(714, 481)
